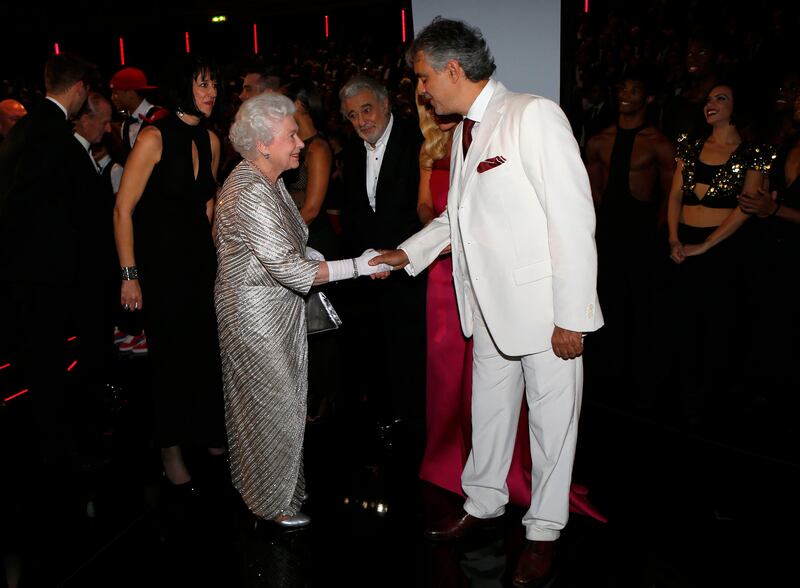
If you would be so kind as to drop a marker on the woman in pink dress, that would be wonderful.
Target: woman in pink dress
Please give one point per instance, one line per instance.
(449, 361)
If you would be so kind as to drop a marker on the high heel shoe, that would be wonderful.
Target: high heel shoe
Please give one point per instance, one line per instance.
(295, 522)
(186, 490)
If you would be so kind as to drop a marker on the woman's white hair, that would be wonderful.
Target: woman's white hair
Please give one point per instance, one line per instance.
(256, 120)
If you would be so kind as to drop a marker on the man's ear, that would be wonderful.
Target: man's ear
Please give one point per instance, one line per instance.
(454, 70)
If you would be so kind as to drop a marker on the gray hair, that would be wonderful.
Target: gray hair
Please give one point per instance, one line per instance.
(444, 39)
(358, 84)
(256, 120)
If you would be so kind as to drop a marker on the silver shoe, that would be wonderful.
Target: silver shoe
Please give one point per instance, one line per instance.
(296, 522)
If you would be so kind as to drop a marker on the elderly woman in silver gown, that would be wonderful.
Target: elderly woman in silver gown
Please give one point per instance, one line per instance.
(264, 272)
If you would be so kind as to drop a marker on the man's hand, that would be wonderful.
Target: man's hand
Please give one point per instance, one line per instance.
(567, 344)
(762, 204)
(396, 258)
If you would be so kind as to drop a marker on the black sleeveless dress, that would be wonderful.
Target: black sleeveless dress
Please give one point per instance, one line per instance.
(177, 266)
(321, 235)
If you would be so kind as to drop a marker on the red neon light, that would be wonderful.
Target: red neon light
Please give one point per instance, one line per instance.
(403, 23)
(72, 365)
(13, 396)
(586, 6)
(255, 38)
(327, 29)
(72, 338)
(121, 51)
(4, 366)
(58, 51)
(187, 42)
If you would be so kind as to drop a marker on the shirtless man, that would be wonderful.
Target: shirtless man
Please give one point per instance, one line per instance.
(630, 169)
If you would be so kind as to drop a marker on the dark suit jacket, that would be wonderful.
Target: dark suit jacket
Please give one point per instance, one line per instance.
(388, 315)
(395, 216)
(38, 183)
(93, 209)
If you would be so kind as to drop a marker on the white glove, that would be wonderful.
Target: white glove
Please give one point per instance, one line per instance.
(312, 253)
(364, 269)
(344, 269)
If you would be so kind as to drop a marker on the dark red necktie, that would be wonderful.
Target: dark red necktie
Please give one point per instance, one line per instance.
(466, 135)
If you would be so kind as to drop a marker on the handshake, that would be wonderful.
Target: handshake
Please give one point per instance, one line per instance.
(354, 267)
(365, 269)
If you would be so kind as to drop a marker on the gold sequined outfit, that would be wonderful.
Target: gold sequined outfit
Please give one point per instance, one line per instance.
(261, 279)
(729, 179)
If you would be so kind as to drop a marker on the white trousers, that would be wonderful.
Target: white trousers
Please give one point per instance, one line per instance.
(553, 389)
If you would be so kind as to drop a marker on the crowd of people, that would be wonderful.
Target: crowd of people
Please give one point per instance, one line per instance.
(469, 237)
(680, 123)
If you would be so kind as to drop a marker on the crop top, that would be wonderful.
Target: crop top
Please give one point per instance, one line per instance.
(704, 173)
(725, 182)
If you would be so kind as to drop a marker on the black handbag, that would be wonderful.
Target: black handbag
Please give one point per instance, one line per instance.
(320, 314)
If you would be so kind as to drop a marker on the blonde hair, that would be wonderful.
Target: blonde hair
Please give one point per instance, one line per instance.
(434, 147)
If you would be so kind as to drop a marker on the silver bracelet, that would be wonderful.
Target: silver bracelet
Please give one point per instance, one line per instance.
(355, 268)
(130, 273)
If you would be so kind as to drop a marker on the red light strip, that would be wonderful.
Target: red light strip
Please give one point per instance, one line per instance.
(586, 6)
(4, 366)
(403, 23)
(13, 396)
(327, 29)
(72, 338)
(121, 51)
(187, 42)
(72, 365)
(255, 38)
(58, 51)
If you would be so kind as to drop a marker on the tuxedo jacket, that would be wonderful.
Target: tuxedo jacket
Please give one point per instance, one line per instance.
(524, 227)
(93, 208)
(38, 182)
(395, 215)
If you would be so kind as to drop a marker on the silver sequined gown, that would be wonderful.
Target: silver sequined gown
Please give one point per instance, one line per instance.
(261, 277)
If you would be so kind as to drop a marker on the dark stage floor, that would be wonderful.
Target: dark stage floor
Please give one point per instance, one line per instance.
(686, 507)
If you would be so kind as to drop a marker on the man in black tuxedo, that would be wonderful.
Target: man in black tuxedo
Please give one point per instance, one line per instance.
(97, 265)
(39, 185)
(381, 176)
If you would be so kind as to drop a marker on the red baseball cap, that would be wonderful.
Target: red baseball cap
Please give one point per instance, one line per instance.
(130, 78)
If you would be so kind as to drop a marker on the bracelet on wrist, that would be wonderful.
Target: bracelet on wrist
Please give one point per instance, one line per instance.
(130, 272)
(355, 268)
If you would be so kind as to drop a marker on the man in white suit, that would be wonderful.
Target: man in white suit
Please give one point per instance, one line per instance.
(520, 221)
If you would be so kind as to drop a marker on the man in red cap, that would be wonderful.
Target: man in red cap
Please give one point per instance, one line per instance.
(128, 93)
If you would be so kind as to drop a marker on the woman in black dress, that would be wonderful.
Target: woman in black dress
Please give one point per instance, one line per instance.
(162, 223)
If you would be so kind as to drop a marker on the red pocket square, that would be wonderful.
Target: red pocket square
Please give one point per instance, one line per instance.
(492, 163)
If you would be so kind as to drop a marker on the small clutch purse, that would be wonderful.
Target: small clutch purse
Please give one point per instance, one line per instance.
(320, 314)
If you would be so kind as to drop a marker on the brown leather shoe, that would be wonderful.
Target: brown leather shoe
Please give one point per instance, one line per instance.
(535, 565)
(458, 525)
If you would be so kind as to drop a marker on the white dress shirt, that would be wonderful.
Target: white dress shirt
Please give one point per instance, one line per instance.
(87, 147)
(375, 160)
(136, 125)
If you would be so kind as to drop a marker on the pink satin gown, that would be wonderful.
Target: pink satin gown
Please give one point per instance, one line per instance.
(449, 386)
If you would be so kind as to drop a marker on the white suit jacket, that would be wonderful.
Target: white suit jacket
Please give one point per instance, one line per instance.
(524, 227)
